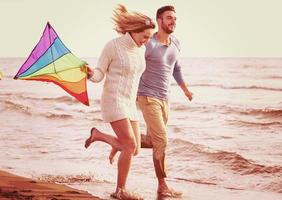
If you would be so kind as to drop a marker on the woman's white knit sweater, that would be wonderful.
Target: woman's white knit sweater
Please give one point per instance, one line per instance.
(122, 62)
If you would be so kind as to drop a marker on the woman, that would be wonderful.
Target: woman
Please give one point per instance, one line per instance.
(122, 62)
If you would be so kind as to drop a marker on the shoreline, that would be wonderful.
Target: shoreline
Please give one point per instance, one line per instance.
(17, 187)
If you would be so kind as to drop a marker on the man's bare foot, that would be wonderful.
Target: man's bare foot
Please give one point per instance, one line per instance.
(92, 138)
(112, 155)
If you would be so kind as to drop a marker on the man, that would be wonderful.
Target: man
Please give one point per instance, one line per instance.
(161, 62)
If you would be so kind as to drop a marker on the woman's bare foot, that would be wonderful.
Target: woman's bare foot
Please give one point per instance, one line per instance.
(169, 192)
(112, 155)
(92, 138)
(125, 194)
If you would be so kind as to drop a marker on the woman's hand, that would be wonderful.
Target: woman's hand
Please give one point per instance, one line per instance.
(86, 69)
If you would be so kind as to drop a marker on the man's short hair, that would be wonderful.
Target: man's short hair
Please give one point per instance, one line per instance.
(161, 10)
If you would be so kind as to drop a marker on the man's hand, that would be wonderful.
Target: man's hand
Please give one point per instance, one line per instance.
(186, 91)
(189, 95)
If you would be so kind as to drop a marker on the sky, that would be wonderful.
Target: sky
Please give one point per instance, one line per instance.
(205, 28)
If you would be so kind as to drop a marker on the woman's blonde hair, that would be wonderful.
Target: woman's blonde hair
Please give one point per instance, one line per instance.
(125, 21)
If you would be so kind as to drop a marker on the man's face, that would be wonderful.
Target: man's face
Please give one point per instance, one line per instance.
(167, 22)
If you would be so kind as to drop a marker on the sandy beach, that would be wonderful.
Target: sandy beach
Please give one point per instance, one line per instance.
(17, 187)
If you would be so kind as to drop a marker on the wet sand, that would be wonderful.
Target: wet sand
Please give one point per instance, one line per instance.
(17, 187)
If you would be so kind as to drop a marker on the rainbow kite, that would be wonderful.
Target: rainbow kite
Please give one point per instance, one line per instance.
(52, 61)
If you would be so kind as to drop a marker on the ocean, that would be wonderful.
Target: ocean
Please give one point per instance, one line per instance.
(225, 144)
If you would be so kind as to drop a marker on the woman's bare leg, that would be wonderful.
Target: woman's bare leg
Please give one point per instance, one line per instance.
(112, 155)
(127, 146)
(136, 129)
(96, 135)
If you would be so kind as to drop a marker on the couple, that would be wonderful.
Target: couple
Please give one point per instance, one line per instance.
(131, 76)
